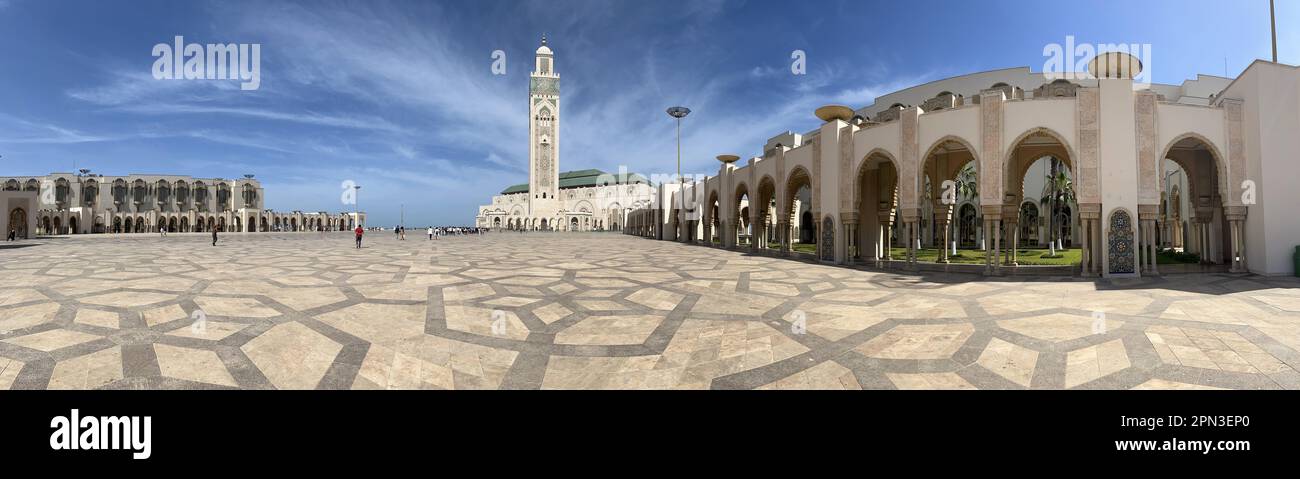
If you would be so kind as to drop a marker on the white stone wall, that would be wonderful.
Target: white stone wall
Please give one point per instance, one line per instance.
(597, 208)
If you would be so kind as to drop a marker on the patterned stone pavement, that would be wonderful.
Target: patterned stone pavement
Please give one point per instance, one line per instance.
(603, 311)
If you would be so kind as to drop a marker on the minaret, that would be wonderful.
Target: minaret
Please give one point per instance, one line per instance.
(543, 132)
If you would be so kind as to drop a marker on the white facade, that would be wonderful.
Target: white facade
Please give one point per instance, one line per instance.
(19, 219)
(69, 203)
(875, 172)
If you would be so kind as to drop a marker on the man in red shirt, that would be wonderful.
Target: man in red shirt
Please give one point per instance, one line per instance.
(359, 232)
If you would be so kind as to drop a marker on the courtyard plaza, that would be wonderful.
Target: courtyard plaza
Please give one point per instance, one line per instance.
(509, 310)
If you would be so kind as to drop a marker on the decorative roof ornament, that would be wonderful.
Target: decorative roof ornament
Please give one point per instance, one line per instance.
(1115, 65)
(834, 112)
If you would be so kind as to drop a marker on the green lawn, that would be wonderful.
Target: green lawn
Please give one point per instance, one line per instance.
(1025, 256)
(1172, 257)
(931, 255)
(797, 247)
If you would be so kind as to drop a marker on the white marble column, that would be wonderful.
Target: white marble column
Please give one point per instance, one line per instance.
(1085, 249)
(997, 244)
(988, 256)
(1155, 253)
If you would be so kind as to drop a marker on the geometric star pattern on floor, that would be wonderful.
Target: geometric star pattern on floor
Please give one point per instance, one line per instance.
(605, 311)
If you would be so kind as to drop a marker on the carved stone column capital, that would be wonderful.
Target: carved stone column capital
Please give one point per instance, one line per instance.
(1235, 212)
(1090, 211)
(1148, 212)
(910, 214)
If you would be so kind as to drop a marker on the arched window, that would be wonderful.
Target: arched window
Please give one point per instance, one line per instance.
(1028, 224)
(968, 225)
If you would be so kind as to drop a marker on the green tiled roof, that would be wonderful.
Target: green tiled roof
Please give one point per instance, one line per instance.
(580, 179)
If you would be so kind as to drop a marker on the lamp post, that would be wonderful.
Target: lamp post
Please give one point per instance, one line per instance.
(356, 204)
(1272, 20)
(680, 112)
(82, 186)
(248, 194)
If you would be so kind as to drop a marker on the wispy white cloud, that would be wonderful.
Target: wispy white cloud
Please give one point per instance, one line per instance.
(494, 159)
(355, 121)
(260, 142)
(140, 93)
(407, 64)
(865, 95)
(405, 151)
(125, 87)
(763, 71)
(399, 101)
(18, 130)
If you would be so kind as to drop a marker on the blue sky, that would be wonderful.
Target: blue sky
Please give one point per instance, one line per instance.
(399, 96)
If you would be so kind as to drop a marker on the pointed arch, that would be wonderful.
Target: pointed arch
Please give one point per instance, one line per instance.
(1220, 165)
(1069, 160)
(882, 157)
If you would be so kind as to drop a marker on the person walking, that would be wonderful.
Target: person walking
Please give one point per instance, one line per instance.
(214, 236)
(430, 233)
(359, 232)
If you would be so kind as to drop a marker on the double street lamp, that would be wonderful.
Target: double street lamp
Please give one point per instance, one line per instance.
(356, 205)
(680, 112)
(82, 184)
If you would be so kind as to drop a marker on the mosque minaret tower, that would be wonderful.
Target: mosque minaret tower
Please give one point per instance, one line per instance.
(553, 200)
(544, 133)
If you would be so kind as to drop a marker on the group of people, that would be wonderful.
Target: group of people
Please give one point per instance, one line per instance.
(439, 231)
(400, 231)
(431, 231)
(435, 232)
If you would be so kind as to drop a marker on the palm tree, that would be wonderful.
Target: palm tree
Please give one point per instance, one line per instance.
(1049, 202)
(967, 182)
(1058, 190)
(967, 187)
(1064, 198)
